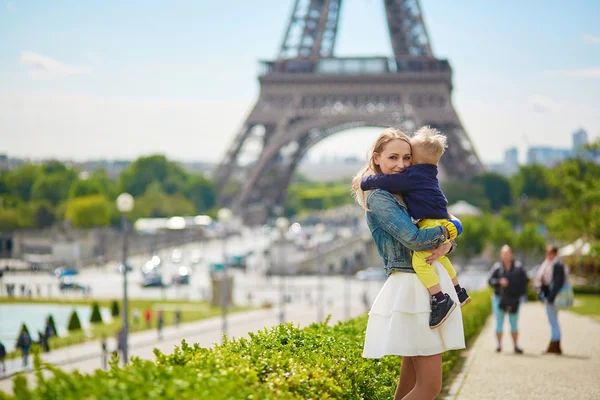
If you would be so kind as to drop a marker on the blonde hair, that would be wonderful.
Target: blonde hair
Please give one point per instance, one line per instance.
(371, 168)
(428, 145)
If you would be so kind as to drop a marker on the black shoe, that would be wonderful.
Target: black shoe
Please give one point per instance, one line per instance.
(463, 297)
(518, 350)
(440, 311)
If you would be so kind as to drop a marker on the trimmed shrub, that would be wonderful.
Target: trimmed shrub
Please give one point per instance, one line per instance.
(283, 362)
(74, 324)
(114, 309)
(96, 317)
(586, 289)
(52, 324)
(23, 328)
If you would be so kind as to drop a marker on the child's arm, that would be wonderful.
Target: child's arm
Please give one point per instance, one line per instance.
(390, 182)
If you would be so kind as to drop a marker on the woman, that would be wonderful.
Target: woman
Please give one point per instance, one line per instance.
(509, 281)
(549, 281)
(399, 318)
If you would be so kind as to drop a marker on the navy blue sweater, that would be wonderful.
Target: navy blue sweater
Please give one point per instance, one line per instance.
(419, 186)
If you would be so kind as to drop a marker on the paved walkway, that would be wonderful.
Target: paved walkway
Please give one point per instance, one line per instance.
(532, 375)
(86, 357)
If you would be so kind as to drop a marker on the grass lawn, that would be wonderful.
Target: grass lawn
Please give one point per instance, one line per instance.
(587, 304)
(190, 311)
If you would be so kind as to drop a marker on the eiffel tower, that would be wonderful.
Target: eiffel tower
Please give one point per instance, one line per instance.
(307, 94)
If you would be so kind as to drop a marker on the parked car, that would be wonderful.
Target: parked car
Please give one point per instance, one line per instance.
(182, 277)
(152, 280)
(65, 271)
(371, 273)
(68, 284)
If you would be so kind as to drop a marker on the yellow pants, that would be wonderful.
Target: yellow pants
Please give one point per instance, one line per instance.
(426, 272)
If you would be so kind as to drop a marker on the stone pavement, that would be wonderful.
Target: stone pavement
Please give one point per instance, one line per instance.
(532, 375)
(86, 357)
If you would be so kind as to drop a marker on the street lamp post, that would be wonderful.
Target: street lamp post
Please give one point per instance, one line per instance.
(224, 215)
(282, 224)
(320, 230)
(125, 204)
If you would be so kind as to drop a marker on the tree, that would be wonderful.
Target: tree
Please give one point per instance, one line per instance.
(44, 215)
(20, 180)
(471, 192)
(88, 211)
(202, 192)
(52, 324)
(96, 317)
(114, 309)
(496, 188)
(501, 233)
(53, 187)
(9, 220)
(84, 187)
(146, 170)
(473, 239)
(530, 242)
(74, 324)
(532, 181)
(23, 328)
(156, 203)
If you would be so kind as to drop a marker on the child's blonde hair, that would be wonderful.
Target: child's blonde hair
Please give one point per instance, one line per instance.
(428, 145)
(371, 168)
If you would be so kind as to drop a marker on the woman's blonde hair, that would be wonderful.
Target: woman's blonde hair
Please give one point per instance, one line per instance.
(371, 168)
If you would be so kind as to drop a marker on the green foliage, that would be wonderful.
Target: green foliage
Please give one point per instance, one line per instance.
(96, 317)
(9, 219)
(146, 170)
(44, 215)
(472, 192)
(586, 289)
(531, 181)
(496, 188)
(473, 240)
(530, 242)
(283, 362)
(19, 181)
(115, 309)
(202, 192)
(23, 328)
(317, 196)
(84, 187)
(156, 203)
(74, 323)
(52, 324)
(88, 211)
(53, 187)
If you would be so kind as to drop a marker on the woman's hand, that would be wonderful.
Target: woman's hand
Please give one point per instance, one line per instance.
(438, 252)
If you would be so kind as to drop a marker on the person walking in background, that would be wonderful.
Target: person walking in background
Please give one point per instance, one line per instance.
(550, 279)
(24, 344)
(159, 324)
(2, 357)
(104, 355)
(399, 318)
(136, 317)
(148, 317)
(509, 280)
(177, 317)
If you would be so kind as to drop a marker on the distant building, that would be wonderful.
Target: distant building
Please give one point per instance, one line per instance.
(580, 139)
(547, 156)
(509, 166)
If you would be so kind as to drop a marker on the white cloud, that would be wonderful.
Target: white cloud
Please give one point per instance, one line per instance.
(45, 67)
(541, 104)
(591, 39)
(592, 72)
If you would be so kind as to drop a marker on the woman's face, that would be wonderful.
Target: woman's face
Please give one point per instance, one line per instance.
(394, 158)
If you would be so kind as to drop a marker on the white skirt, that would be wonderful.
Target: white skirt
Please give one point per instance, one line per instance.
(399, 319)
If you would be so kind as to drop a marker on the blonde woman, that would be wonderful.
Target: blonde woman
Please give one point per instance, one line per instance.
(399, 317)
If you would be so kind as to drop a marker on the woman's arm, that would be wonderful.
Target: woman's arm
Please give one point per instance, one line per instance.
(397, 223)
(558, 280)
(494, 280)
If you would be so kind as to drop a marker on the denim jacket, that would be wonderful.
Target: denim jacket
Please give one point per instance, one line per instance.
(394, 233)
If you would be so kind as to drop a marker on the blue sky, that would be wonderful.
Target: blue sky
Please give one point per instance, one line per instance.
(117, 79)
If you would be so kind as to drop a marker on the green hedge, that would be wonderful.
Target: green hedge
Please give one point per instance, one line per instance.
(586, 289)
(284, 362)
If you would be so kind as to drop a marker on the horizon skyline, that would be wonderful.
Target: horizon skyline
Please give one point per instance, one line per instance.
(110, 94)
